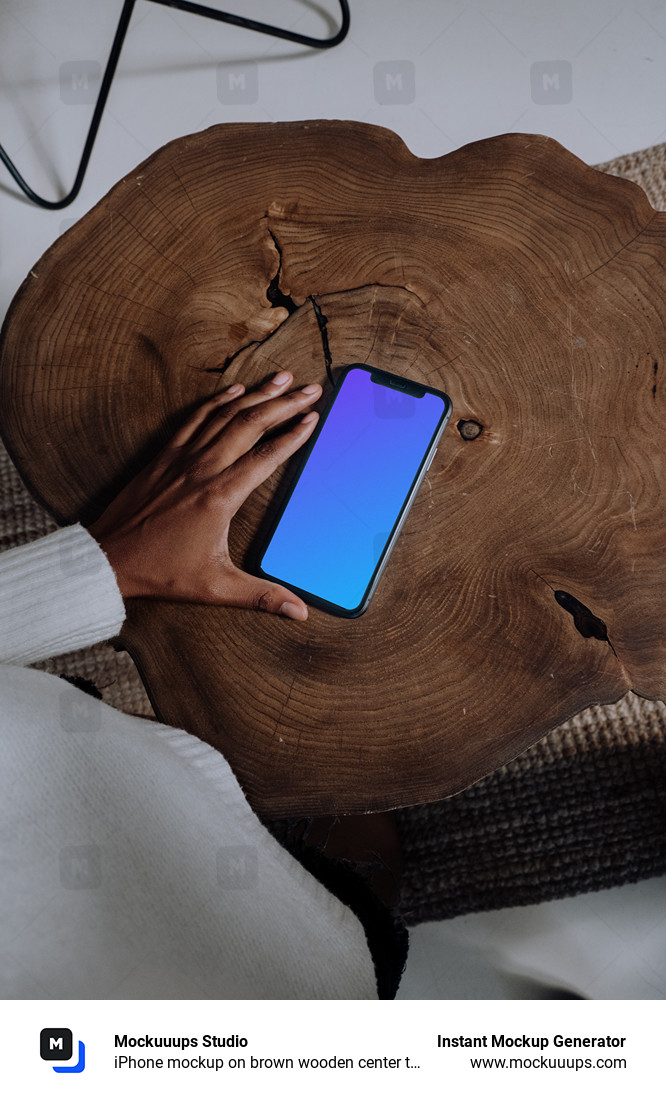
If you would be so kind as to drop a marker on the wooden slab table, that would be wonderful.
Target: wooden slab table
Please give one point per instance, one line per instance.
(528, 582)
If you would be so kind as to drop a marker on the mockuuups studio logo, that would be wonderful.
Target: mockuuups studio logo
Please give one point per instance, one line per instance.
(80, 557)
(238, 83)
(551, 82)
(80, 867)
(79, 712)
(390, 404)
(395, 82)
(80, 81)
(55, 1045)
(237, 867)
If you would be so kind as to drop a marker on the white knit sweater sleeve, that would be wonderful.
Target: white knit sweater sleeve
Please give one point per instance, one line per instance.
(57, 594)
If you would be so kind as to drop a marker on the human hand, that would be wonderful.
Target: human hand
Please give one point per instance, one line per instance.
(166, 533)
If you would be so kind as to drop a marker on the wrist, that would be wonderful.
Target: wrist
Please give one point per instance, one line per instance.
(127, 578)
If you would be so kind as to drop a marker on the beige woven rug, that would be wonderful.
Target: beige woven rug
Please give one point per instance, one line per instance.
(583, 809)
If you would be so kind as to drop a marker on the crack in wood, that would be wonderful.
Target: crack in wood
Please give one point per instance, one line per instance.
(322, 322)
(275, 295)
(620, 250)
(230, 358)
(586, 622)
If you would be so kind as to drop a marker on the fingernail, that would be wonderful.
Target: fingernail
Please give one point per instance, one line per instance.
(312, 388)
(281, 378)
(309, 417)
(294, 611)
(236, 388)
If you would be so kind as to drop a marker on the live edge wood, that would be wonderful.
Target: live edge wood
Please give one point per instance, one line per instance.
(529, 581)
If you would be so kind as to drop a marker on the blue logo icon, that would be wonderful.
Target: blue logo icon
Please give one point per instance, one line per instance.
(56, 1044)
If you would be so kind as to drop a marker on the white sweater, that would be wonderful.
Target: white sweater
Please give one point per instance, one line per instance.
(131, 865)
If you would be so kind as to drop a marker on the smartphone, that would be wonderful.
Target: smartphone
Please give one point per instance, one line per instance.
(355, 485)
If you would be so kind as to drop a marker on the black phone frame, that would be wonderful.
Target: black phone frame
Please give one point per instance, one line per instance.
(391, 381)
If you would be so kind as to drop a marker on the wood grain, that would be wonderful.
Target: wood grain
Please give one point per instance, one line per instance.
(528, 582)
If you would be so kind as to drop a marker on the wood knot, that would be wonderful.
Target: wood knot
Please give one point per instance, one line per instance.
(469, 429)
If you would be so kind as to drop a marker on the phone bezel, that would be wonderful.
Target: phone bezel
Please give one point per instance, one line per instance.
(391, 381)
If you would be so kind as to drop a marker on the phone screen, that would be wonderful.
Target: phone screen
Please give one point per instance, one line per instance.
(355, 488)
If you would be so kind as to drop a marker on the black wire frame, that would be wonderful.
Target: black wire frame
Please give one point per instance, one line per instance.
(114, 55)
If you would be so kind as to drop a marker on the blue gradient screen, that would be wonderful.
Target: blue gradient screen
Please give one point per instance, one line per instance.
(349, 496)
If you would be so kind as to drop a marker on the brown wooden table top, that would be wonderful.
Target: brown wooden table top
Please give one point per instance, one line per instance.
(528, 581)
